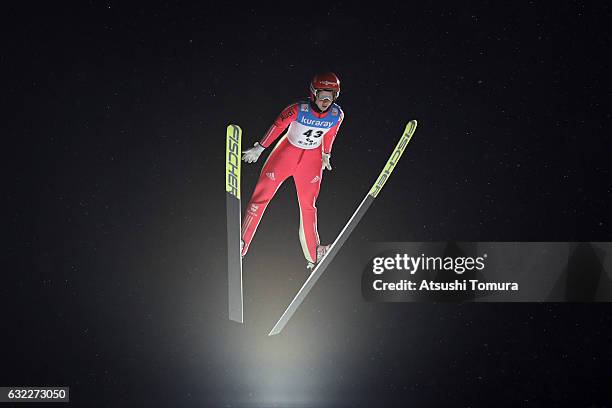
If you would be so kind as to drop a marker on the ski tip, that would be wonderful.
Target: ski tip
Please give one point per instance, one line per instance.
(410, 127)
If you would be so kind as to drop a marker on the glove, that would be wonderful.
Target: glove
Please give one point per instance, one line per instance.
(326, 157)
(251, 155)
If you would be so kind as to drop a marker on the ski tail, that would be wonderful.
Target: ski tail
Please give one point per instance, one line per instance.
(348, 228)
(232, 188)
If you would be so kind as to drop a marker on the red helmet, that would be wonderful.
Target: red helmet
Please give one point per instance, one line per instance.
(328, 82)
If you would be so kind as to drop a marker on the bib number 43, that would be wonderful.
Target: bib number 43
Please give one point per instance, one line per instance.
(309, 134)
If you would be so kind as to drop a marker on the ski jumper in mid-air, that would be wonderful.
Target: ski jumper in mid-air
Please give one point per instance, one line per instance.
(303, 152)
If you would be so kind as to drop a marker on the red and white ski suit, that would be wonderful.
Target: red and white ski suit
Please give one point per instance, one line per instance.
(297, 154)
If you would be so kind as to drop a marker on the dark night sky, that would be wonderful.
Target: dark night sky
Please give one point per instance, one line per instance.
(114, 265)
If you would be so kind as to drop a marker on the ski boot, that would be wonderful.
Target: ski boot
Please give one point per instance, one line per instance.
(321, 251)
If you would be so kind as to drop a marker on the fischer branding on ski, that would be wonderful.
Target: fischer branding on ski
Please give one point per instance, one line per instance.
(232, 161)
(232, 188)
(395, 156)
(348, 228)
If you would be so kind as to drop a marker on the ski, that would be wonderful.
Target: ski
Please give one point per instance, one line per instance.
(232, 188)
(347, 230)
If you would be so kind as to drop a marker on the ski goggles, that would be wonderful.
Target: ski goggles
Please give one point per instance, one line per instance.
(329, 95)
